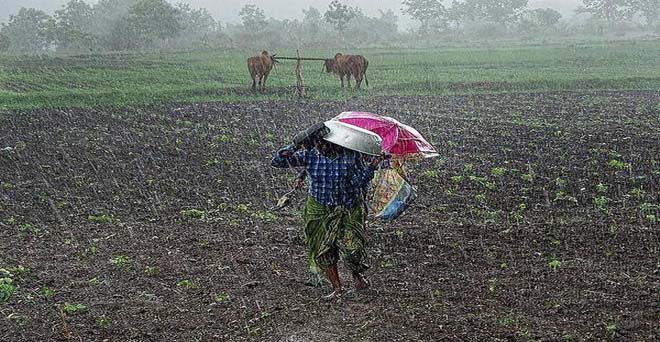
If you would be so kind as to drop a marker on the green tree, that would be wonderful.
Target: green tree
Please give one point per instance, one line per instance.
(253, 18)
(338, 15)
(456, 15)
(110, 23)
(312, 20)
(195, 20)
(312, 24)
(30, 30)
(544, 17)
(197, 26)
(429, 13)
(4, 42)
(498, 11)
(612, 11)
(388, 22)
(649, 9)
(151, 20)
(73, 26)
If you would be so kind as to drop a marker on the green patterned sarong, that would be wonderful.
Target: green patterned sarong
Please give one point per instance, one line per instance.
(331, 231)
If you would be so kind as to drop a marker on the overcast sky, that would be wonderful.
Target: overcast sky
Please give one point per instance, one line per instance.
(227, 10)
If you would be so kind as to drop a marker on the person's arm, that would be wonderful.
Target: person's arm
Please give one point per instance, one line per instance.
(383, 161)
(365, 173)
(385, 164)
(300, 179)
(288, 157)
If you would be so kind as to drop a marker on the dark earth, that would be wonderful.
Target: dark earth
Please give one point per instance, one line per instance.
(538, 222)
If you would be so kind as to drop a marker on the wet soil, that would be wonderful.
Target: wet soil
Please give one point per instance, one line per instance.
(537, 222)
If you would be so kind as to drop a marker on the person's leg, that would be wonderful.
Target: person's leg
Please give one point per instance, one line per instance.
(328, 255)
(313, 215)
(321, 232)
(327, 261)
(353, 246)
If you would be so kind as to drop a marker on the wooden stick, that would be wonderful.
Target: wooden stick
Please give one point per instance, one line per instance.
(300, 58)
(300, 84)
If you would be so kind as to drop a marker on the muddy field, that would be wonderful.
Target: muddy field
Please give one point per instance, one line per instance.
(538, 222)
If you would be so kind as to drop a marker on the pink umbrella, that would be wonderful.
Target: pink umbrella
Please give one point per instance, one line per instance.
(398, 139)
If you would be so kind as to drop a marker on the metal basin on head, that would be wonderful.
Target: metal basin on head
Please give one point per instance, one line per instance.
(354, 138)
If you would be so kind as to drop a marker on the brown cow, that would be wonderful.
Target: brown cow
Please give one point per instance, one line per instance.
(259, 67)
(348, 65)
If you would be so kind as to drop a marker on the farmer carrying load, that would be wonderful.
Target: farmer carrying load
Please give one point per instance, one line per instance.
(340, 160)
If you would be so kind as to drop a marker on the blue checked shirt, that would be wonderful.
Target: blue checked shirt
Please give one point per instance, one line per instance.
(339, 181)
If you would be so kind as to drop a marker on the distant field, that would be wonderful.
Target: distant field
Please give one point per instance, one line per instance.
(211, 76)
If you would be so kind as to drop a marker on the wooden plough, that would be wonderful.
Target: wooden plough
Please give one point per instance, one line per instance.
(300, 84)
(300, 58)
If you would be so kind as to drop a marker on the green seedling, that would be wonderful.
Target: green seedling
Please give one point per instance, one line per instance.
(47, 292)
(601, 188)
(492, 286)
(637, 193)
(103, 219)
(387, 264)
(7, 289)
(560, 182)
(103, 322)
(611, 328)
(507, 321)
(212, 162)
(562, 196)
(528, 177)
(73, 308)
(7, 185)
(193, 213)
(222, 298)
(224, 138)
(601, 203)
(456, 179)
(554, 264)
(121, 261)
(187, 284)
(28, 228)
(265, 216)
(14, 271)
(151, 270)
(617, 164)
(430, 174)
(498, 171)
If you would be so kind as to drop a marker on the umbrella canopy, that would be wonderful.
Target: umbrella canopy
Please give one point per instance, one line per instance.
(398, 139)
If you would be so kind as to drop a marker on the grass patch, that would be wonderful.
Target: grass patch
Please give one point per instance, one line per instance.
(212, 76)
(73, 308)
(7, 289)
(100, 218)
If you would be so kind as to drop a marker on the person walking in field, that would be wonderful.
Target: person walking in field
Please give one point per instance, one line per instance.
(335, 210)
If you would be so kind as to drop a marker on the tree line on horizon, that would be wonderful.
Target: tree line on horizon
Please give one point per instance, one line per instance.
(121, 25)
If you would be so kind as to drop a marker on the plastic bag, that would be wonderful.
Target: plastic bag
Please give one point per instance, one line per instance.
(391, 194)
